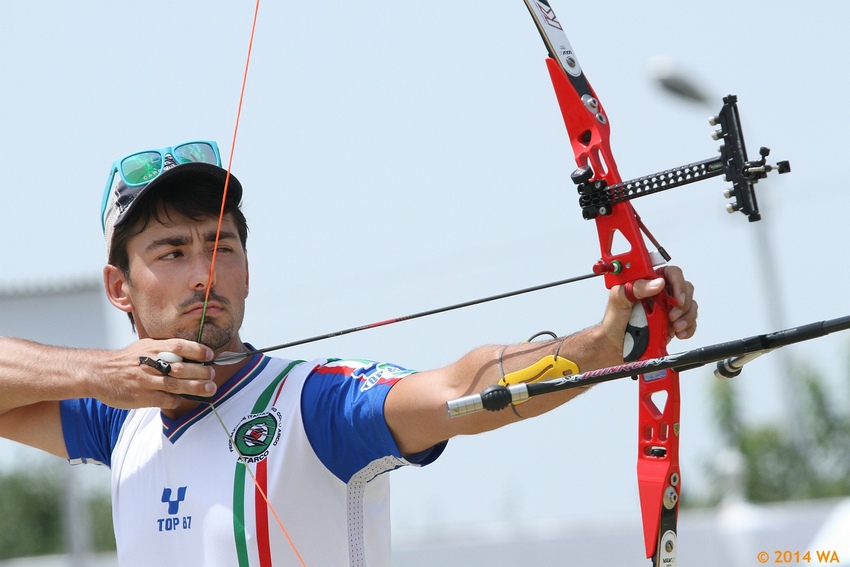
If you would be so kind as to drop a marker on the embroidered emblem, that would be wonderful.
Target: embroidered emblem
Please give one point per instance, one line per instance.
(256, 434)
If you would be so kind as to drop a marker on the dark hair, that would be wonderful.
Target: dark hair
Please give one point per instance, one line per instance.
(195, 199)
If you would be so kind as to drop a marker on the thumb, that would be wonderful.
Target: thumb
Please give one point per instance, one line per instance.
(621, 299)
(633, 292)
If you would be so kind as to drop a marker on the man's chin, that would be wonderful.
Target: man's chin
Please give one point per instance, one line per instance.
(212, 336)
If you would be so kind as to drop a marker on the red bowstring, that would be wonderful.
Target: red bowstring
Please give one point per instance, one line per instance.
(215, 253)
(229, 166)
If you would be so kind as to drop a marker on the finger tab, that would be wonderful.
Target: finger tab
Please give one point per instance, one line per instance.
(169, 357)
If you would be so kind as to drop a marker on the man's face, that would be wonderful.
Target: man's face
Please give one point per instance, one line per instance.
(169, 271)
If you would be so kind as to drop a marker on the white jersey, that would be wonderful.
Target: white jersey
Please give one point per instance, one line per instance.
(316, 448)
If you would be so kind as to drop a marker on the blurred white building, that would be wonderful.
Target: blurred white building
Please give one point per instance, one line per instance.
(73, 314)
(731, 537)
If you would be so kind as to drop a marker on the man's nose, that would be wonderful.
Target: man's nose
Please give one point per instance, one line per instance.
(201, 267)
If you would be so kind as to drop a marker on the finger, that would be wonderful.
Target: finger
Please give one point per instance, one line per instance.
(683, 331)
(163, 362)
(188, 350)
(164, 401)
(683, 303)
(633, 292)
(685, 326)
(181, 377)
(680, 289)
(628, 289)
(171, 363)
(175, 385)
(149, 390)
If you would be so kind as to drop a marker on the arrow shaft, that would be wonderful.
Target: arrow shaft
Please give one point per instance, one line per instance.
(687, 360)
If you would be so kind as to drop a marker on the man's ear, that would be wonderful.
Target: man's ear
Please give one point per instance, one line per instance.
(115, 282)
(247, 277)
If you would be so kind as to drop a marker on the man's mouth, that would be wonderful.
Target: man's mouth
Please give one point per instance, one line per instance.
(196, 310)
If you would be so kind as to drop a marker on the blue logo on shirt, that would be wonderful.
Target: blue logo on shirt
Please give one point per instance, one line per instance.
(171, 524)
(173, 505)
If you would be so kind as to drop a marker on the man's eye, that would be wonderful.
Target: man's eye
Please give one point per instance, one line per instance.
(171, 255)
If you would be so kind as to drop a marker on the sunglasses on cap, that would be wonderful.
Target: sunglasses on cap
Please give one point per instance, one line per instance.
(140, 168)
(143, 167)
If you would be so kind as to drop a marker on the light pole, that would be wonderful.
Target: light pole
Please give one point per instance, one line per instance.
(683, 87)
(675, 82)
(734, 509)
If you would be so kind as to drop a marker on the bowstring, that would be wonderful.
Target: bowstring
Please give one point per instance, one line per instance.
(211, 277)
(227, 175)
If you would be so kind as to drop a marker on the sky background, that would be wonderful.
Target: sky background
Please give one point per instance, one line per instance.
(402, 156)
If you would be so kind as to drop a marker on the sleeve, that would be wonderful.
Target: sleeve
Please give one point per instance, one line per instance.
(91, 430)
(342, 404)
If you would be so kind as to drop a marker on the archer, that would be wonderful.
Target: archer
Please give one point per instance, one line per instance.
(307, 442)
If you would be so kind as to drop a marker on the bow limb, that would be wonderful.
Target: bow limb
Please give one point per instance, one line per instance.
(659, 479)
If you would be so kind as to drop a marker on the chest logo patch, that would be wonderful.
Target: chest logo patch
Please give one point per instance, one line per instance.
(256, 434)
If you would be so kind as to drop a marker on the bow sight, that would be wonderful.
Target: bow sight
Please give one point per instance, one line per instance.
(596, 197)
